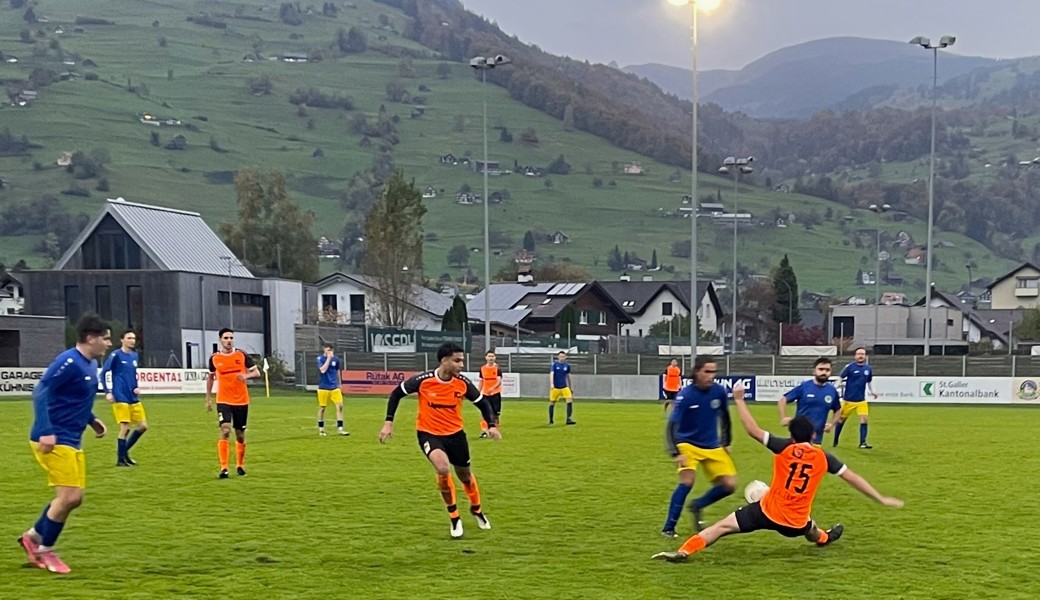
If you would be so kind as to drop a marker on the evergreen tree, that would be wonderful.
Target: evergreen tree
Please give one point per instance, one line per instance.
(529, 244)
(785, 289)
(615, 260)
(653, 260)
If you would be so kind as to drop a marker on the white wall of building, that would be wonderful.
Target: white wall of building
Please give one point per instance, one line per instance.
(287, 311)
(250, 343)
(418, 319)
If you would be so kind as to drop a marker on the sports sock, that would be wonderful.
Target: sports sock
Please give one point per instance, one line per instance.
(48, 528)
(121, 449)
(552, 409)
(823, 537)
(483, 425)
(321, 424)
(472, 491)
(223, 452)
(676, 504)
(446, 485)
(862, 433)
(837, 431)
(134, 436)
(711, 496)
(570, 410)
(240, 454)
(339, 424)
(694, 544)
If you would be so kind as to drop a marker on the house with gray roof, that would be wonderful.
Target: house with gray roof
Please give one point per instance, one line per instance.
(649, 302)
(349, 298)
(168, 276)
(544, 308)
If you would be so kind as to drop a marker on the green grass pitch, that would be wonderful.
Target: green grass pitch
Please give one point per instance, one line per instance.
(576, 511)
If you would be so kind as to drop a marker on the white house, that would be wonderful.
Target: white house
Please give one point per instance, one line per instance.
(648, 302)
(12, 295)
(350, 298)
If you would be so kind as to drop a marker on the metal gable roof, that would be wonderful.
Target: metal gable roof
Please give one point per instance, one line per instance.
(174, 240)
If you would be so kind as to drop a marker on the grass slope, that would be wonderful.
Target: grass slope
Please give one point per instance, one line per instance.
(209, 79)
(575, 511)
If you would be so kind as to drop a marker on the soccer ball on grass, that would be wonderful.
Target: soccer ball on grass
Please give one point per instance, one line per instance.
(754, 491)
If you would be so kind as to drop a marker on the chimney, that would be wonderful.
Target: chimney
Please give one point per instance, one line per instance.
(648, 277)
(625, 277)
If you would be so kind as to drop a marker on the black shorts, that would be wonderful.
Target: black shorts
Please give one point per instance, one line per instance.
(454, 445)
(669, 395)
(236, 414)
(495, 400)
(751, 518)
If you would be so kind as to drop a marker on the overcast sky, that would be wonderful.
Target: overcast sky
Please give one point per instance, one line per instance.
(641, 31)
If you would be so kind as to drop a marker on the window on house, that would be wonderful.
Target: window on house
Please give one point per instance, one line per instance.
(73, 303)
(357, 303)
(134, 307)
(603, 318)
(583, 318)
(666, 309)
(1031, 283)
(329, 302)
(103, 301)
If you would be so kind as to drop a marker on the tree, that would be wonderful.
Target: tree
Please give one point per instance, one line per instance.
(444, 70)
(272, 233)
(614, 260)
(456, 317)
(559, 166)
(260, 86)
(352, 41)
(653, 260)
(562, 272)
(394, 248)
(785, 290)
(679, 326)
(529, 136)
(458, 256)
(568, 321)
(529, 244)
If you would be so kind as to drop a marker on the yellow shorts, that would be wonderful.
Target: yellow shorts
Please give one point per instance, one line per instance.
(556, 393)
(716, 461)
(860, 408)
(128, 413)
(326, 396)
(65, 466)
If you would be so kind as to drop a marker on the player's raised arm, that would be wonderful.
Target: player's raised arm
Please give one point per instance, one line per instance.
(252, 371)
(748, 421)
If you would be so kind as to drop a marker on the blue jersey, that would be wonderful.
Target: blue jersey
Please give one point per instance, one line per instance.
(560, 371)
(856, 377)
(696, 417)
(123, 367)
(329, 380)
(63, 402)
(815, 401)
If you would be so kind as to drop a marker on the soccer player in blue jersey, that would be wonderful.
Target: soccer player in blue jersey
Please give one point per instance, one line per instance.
(693, 439)
(125, 396)
(857, 379)
(560, 387)
(329, 366)
(816, 398)
(63, 405)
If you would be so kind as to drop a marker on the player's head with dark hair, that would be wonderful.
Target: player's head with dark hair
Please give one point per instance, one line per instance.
(126, 333)
(128, 339)
(447, 350)
(860, 354)
(91, 325)
(221, 333)
(704, 370)
(489, 356)
(801, 429)
(93, 335)
(227, 340)
(561, 356)
(822, 370)
(327, 346)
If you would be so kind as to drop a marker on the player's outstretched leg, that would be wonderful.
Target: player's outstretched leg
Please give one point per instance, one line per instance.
(825, 538)
(135, 436)
(727, 526)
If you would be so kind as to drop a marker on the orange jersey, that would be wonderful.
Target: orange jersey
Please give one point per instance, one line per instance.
(672, 379)
(440, 402)
(490, 380)
(798, 469)
(226, 368)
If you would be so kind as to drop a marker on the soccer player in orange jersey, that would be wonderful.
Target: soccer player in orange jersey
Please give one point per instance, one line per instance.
(491, 387)
(672, 383)
(230, 368)
(798, 469)
(439, 428)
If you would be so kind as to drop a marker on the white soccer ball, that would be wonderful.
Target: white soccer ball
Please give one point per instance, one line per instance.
(754, 491)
